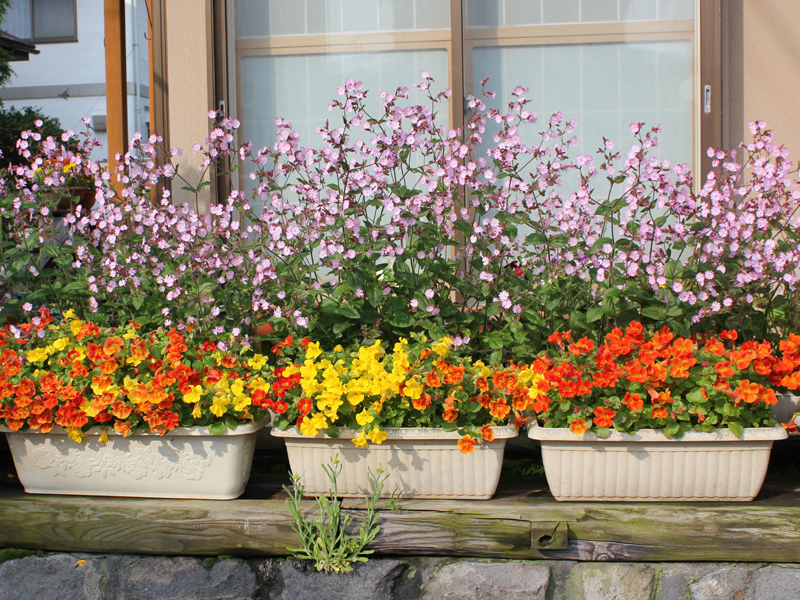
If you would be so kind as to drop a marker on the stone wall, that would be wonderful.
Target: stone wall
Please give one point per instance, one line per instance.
(130, 577)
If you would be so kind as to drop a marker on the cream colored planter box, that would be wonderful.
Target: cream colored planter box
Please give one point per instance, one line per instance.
(421, 463)
(185, 463)
(648, 466)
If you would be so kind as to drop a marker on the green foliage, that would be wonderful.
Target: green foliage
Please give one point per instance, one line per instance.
(325, 540)
(14, 121)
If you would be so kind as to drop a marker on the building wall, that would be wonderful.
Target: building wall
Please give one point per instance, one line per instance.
(761, 50)
(67, 80)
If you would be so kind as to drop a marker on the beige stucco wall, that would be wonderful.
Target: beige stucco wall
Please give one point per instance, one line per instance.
(190, 89)
(761, 50)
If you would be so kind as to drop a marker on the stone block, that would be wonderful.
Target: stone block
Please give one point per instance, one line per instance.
(54, 577)
(726, 583)
(611, 581)
(298, 580)
(469, 580)
(181, 579)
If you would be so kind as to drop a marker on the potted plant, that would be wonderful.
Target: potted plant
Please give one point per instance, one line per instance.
(647, 415)
(121, 412)
(434, 420)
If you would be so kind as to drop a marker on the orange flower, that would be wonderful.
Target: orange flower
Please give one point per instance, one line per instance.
(432, 380)
(747, 391)
(724, 369)
(466, 444)
(680, 367)
(633, 401)
(577, 426)
(499, 409)
(487, 433)
(604, 416)
(659, 412)
(581, 347)
(122, 427)
(112, 346)
(423, 402)
(636, 372)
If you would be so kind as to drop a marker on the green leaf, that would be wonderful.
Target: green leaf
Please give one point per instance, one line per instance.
(537, 238)
(348, 312)
(736, 429)
(374, 294)
(656, 313)
(594, 314)
(217, 428)
(332, 431)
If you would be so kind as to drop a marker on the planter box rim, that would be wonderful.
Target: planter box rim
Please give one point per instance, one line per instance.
(563, 434)
(398, 433)
(197, 430)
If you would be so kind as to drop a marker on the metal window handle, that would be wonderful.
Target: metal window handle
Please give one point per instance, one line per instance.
(707, 99)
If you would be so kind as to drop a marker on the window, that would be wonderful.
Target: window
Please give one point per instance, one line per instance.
(42, 21)
(605, 63)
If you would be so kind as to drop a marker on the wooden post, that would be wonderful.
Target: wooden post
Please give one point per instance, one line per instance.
(116, 80)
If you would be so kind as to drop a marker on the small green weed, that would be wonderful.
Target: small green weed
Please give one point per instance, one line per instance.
(325, 539)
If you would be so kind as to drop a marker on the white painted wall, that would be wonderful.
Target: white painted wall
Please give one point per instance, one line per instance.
(83, 63)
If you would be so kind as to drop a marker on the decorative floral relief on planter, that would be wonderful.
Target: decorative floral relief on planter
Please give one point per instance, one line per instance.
(185, 463)
(648, 466)
(420, 463)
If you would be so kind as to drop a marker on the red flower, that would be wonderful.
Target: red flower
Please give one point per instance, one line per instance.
(604, 416)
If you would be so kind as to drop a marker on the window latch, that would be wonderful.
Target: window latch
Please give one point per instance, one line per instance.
(707, 99)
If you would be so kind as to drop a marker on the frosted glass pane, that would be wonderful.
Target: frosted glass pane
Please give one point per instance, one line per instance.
(510, 13)
(604, 87)
(299, 88)
(259, 18)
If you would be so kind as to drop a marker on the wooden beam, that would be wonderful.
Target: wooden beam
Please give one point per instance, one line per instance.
(525, 526)
(116, 80)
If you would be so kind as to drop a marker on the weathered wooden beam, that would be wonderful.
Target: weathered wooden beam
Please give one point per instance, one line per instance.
(518, 527)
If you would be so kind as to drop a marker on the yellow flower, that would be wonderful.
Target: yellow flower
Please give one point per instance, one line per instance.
(75, 326)
(104, 436)
(442, 347)
(70, 314)
(361, 440)
(338, 348)
(259, 383)
(220, 405)
(413, 389)
(60, 344)
(241, 402)
(237, 387)
(257, 362)
(313, 351)
(377, 436)
(74, 433)
(364, 417)
(194, 395)
(196, 413)
(37, 355)
(312, 424)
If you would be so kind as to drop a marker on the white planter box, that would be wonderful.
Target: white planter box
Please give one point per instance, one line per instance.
(184, 463)
(649, 466)
(421, 463)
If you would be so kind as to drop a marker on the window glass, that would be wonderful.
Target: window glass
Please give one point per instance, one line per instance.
(18, 19)
(604, 63)
(41, 20)
(291, 57)
(53, 19)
